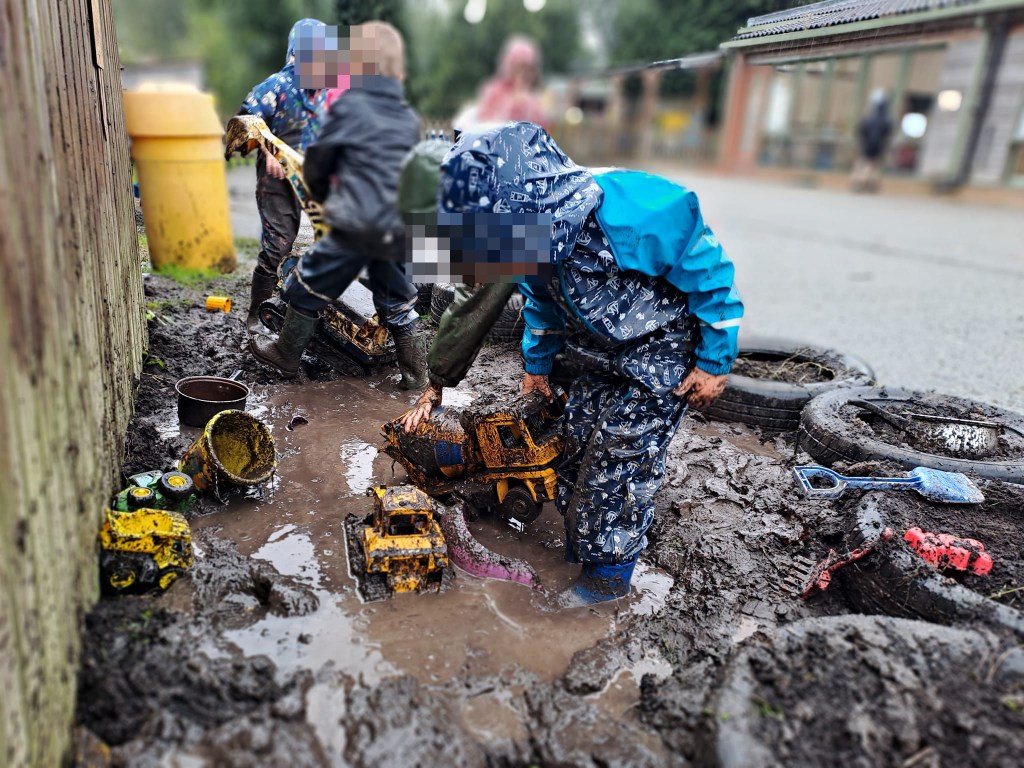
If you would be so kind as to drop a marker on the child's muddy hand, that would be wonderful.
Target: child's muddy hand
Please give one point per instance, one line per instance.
(420, 412)
(700, 388)
(274, 167)
(534, 383)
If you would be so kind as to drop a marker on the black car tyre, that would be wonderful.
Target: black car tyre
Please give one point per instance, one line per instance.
(833, 429)
(424, 296)
(509, 325)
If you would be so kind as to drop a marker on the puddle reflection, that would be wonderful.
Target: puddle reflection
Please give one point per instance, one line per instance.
(476, 628)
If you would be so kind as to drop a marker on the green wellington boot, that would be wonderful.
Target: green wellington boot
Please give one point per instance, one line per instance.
(285, 353)
(262, 288)
(412, 359)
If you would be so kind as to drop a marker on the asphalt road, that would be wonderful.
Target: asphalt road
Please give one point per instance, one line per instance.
(929, 291)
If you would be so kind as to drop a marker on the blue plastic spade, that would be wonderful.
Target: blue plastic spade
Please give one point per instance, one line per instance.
(933, 484)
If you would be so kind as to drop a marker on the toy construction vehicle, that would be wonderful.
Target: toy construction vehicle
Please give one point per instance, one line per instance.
(156, 490)
(399, 547)
(349, 333)
(143, 549)
(498, 456)
(145, 542)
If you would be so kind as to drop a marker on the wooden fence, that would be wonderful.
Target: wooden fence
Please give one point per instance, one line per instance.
(72, 332)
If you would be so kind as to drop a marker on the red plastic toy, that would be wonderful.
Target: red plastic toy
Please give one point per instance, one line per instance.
(946, 551)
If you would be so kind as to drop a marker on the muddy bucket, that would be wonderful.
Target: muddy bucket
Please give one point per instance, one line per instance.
(234, 449)
(200, 398)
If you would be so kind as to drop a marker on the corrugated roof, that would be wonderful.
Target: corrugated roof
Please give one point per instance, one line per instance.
(830, 13)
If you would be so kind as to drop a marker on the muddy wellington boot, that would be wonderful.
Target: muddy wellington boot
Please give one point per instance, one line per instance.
(285, 354)
(412, 359)
(597, 583)
(262, 289)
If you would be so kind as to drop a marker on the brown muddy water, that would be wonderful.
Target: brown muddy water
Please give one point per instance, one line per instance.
(475, 630)
(480, 627)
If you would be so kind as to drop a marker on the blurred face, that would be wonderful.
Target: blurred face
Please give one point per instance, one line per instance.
(320, 60)
(524, 75)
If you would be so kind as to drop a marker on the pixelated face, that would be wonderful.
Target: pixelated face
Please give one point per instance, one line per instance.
(480, 247)
(321, 58)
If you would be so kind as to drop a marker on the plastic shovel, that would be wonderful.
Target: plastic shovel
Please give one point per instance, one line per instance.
(933, 484)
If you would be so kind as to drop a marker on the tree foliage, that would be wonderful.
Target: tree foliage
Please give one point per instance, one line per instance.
(239, 44)
(652, 30)
(348, 13)
(649, 30)
(456, 57)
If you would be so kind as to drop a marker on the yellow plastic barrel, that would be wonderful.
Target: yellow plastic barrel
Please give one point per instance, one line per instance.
(177, 144)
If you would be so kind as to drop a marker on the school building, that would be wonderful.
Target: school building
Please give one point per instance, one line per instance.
(953, 71)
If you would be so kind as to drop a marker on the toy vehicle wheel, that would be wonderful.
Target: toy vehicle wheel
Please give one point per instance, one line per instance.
(168, 576)
(122, 577)
(375, 587)
(835, 427)
(140, 497)
(773, 379)
(518, 507)
(176, 486)
(272, 313)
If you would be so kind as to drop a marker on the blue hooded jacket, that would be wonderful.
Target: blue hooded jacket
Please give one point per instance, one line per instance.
(652, 226)
(289, 111)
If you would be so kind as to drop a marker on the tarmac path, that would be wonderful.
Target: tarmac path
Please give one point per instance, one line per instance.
(929, 291)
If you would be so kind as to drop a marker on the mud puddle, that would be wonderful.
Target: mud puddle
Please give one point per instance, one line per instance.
(475, 630)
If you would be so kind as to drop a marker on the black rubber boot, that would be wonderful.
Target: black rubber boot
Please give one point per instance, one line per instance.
(412, 359)
(262, 289)
(285, 354)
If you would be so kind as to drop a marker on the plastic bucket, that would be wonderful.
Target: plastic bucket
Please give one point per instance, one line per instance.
(235, 449)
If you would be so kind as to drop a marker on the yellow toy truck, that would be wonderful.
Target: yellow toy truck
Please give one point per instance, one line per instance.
(496, 456)
(399, 547)
(143, 548)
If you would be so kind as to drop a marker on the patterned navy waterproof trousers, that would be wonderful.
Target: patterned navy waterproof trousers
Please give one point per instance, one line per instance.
(617, 435)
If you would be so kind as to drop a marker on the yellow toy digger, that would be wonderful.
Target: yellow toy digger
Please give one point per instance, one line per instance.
(498, 456)
(143, 548)
(399, 547)
(145, 542)
(349, 331)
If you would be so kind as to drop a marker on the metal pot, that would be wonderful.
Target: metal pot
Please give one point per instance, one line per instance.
(200, 398)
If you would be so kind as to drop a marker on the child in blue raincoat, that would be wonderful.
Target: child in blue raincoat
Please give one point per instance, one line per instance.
(292, 114)
(636, 295)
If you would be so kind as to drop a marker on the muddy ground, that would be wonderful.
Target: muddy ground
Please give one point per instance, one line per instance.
(802, 367)
(264, 655)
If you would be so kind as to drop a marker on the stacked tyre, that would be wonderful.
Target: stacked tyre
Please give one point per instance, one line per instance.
(770, 402)
(836, 426)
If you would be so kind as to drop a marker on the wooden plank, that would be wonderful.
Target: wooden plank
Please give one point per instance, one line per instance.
(69, 236)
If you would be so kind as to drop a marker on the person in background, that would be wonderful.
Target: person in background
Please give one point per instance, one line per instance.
(512, 93)
(627, 284)
(291, 113)
(873, 136)
(353, 167)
